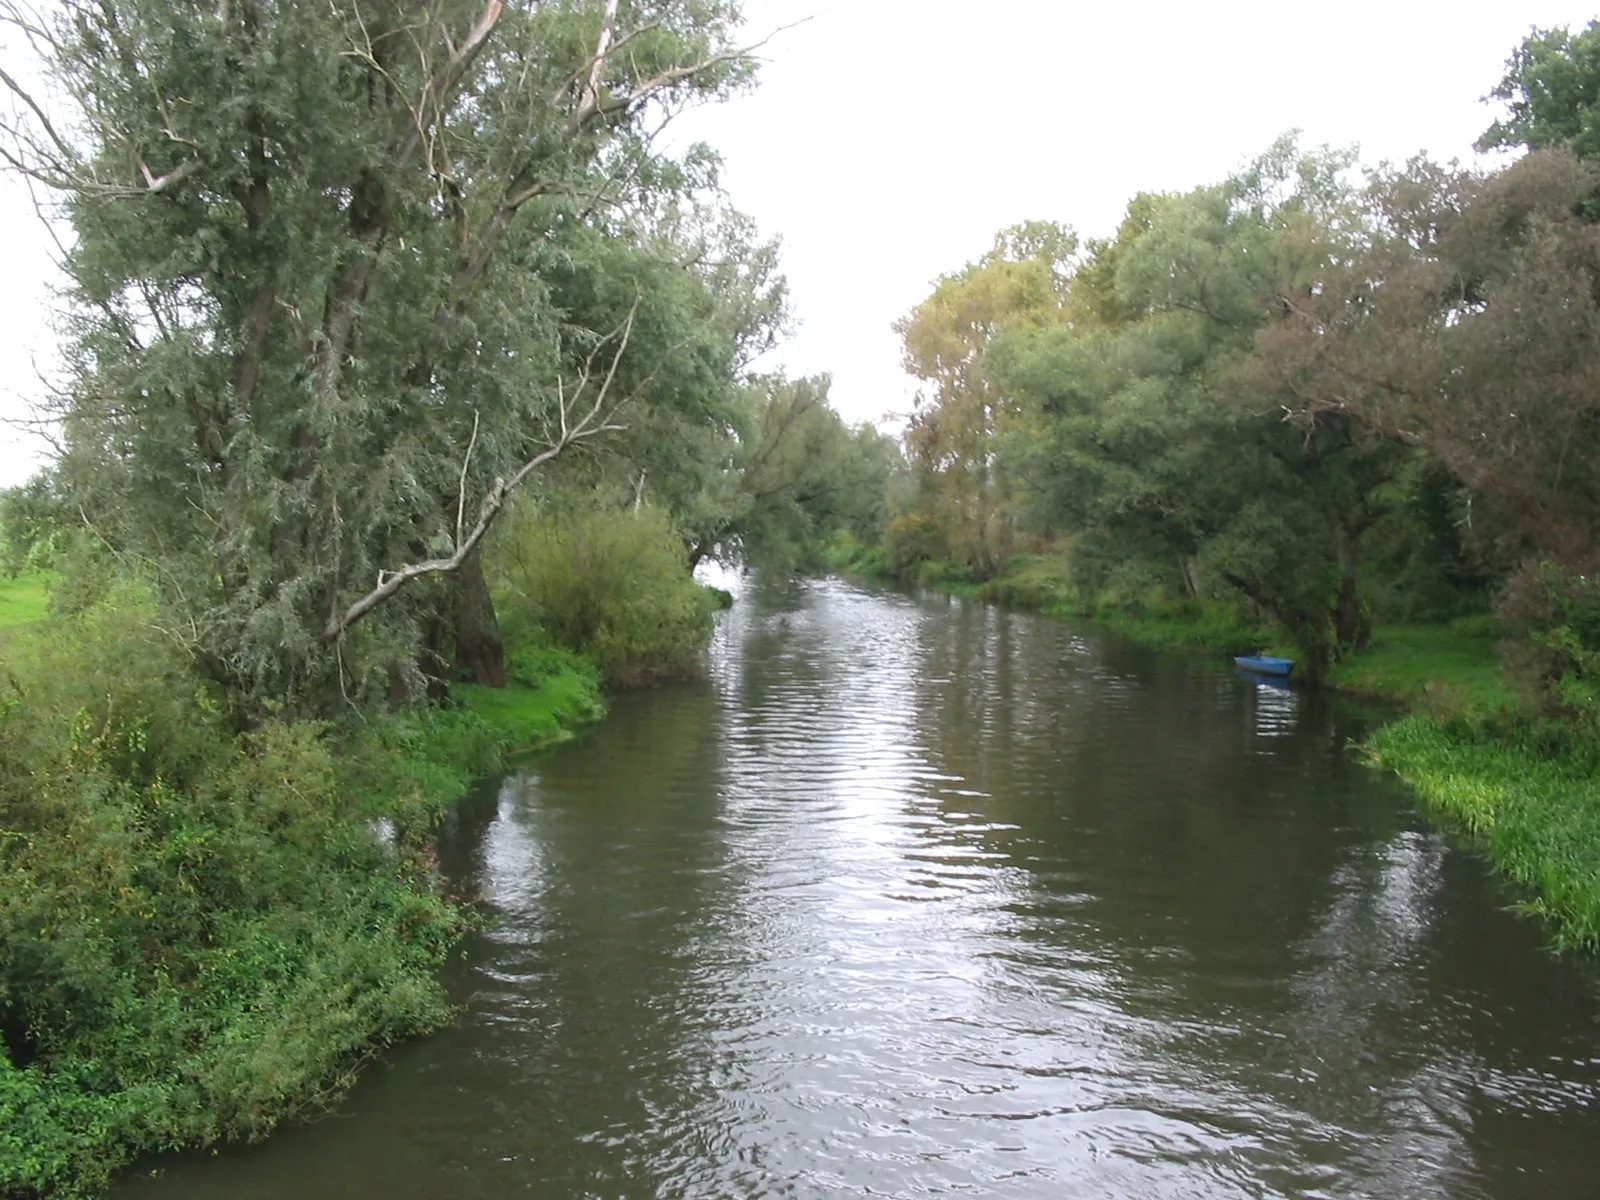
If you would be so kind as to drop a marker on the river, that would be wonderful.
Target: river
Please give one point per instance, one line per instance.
(915, 897)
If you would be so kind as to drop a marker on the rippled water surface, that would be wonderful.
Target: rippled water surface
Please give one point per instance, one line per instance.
(916, 898)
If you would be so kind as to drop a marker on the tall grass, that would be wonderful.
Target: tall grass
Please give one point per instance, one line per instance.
(1537, 816)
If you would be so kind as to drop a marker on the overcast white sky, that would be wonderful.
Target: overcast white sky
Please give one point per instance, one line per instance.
(890, 139)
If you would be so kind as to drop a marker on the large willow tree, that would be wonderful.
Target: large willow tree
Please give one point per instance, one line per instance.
(314, 341)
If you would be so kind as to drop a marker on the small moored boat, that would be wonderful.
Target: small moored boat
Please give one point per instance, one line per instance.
(1265, 664)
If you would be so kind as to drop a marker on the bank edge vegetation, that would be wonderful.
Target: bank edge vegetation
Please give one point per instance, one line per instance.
(1347, 413)
(407, 380)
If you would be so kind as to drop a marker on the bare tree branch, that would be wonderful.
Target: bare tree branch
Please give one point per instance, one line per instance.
(438, 89)
(461, 488)
(590, 423)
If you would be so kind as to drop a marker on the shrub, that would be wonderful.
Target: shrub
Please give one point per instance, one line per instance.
(1038, 582)
(844, 552)
(200, 932)
(605, 582)
(911, 540)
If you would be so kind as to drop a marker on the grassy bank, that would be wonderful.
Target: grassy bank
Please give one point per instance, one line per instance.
(1537, 817)
(1448, 669)
(1479, 763)
(202, 933)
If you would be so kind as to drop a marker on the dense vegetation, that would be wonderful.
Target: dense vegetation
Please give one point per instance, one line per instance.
(1348, 414)
(383, 323)
(408, 380)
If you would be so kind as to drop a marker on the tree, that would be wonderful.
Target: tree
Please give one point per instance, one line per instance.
(1552, 90)
(1151, 447)
(796, 475)
(1468, 326)
(315, 341)
(960, 414)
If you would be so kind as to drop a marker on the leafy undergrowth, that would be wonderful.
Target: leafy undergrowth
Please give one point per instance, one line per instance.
(848, 556)
(1537, 815)
(203, 933)
(1445, 670)
(1037, 582)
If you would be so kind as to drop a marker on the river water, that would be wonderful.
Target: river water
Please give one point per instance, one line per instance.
(922, 898)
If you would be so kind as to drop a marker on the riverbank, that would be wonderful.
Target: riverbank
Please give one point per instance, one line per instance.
(1460, 740)
(202, 933)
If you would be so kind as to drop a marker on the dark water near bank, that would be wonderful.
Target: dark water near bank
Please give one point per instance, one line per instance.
(916, 898)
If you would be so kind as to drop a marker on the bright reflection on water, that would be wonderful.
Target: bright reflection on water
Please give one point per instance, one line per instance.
(917, 898)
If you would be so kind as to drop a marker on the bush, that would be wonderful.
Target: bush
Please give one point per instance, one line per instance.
(912, 540)
(605, 582)
(1037, 582)
(844, 553)
(200, 932)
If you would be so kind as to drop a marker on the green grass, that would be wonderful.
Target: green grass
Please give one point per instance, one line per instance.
(1537, 817)
(1214, 628)
(23, 599)
(550, 694)
(1445, 670)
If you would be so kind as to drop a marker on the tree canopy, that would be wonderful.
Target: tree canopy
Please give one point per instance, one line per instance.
(344, 275)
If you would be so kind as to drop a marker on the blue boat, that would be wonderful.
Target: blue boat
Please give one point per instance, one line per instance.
(1265, 664)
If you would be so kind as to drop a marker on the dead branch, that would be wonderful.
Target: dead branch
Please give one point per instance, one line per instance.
(608, 32)
(590, 422)
(436, 93)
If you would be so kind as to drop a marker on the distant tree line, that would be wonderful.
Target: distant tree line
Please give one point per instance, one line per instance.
(1330, 395)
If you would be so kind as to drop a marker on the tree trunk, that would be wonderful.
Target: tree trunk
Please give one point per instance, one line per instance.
(1352, 624)
(434, 661)
(1191, 579)
(479, 652)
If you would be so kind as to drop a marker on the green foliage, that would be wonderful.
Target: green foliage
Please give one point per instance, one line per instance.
(35, 524)
(1552, 91)
(953, 577)
(846, 554)
(963, 411)
(796, 475)
(24, 598)
(550, 693)
(912, 539)
(1039, 582)
(200, 932)
(337, 268)
(1142, 440)
(1538, 816)
(610, 583)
